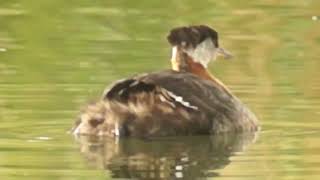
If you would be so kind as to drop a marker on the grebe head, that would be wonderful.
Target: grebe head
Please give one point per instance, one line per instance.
(101, 118)
(196, 43)
(91, 120)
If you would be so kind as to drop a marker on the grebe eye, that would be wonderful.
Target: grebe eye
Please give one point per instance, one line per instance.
(96, 122)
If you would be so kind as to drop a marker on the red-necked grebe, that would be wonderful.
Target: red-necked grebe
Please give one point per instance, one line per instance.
(185, 100)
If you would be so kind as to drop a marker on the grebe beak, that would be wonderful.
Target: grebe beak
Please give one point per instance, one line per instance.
(226, 54)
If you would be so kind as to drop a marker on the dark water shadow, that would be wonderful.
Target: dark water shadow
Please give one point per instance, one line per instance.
(165, 158)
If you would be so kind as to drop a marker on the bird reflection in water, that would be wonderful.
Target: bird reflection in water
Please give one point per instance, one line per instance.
(164, 158)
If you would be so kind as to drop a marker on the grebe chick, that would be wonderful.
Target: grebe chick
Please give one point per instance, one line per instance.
(185, 100)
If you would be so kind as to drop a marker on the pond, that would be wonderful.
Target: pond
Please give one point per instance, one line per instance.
(56, 56)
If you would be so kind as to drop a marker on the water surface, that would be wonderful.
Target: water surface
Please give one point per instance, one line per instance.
(56, 56)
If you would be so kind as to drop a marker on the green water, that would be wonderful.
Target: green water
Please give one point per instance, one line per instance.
(56, 56)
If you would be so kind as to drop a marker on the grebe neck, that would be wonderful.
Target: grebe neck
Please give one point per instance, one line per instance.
(182, 62)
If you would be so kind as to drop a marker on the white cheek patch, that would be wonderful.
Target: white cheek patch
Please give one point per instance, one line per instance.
(203, 53)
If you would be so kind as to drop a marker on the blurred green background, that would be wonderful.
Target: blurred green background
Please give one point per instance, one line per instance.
(55, 56)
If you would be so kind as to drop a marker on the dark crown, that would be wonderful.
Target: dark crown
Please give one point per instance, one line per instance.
(187, 36)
